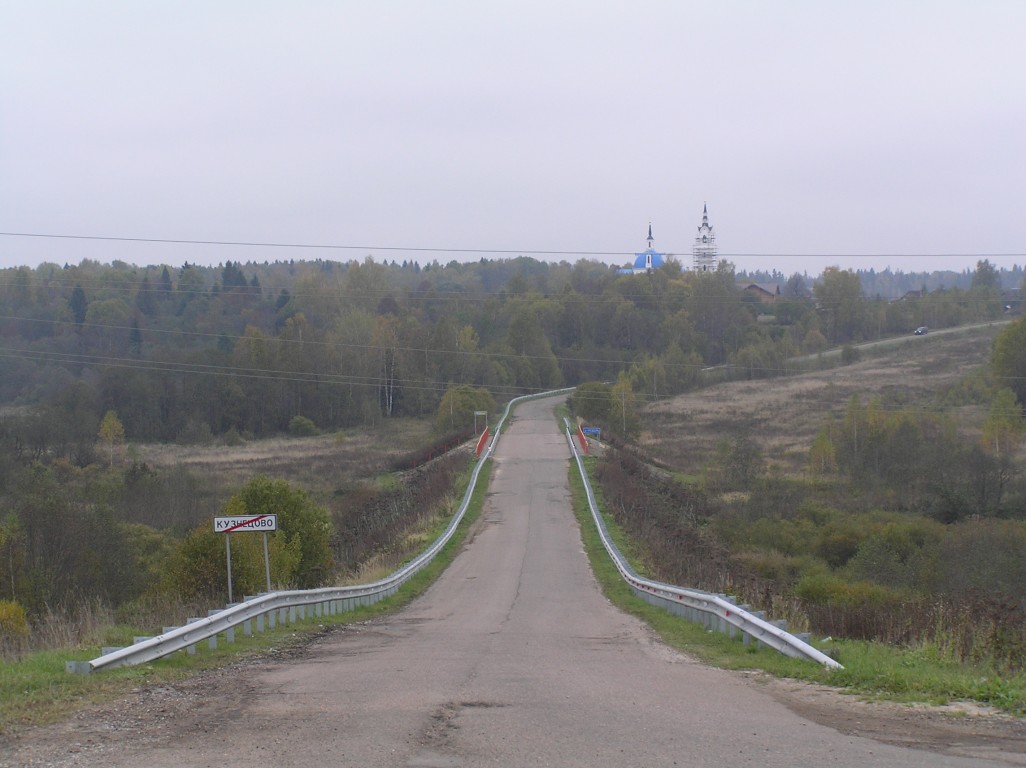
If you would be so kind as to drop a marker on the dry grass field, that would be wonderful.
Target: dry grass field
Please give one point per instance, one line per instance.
(317, 464)
(782, 415)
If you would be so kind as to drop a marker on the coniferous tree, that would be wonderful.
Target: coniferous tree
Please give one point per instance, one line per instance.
(79, 305)
(165, 285)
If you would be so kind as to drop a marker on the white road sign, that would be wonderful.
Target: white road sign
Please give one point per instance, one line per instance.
(263, 523)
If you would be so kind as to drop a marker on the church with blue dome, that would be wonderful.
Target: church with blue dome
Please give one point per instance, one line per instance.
(645, 261)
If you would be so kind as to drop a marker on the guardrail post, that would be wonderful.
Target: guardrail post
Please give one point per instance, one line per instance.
(780, 624)
(212, 642)
(190, 649)
(758, 615)
(721, 622)
(730, 629)
(229, 633)
(744, 635)
(247, 625)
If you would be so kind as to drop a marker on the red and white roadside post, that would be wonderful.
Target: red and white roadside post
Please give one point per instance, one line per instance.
(483, 440)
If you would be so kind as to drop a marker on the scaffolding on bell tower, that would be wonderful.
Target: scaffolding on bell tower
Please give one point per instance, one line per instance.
(704, 252)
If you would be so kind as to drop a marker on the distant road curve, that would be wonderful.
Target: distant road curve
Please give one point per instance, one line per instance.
(890, 341)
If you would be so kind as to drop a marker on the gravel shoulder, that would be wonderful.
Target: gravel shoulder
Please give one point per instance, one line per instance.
(155, 717)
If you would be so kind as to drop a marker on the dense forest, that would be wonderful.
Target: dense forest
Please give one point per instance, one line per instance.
(95, 355)
(193, 353)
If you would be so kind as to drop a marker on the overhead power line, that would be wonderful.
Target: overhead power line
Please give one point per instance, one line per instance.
(506, 251)
(322, 246)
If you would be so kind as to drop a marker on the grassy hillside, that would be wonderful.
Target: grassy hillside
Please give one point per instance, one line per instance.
(858, 501)
(939, 373)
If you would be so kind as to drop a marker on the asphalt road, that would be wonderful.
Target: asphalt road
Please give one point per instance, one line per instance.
(512, 658)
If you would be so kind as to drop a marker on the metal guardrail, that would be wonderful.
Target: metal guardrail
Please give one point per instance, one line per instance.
(714, 611)
(286, 606)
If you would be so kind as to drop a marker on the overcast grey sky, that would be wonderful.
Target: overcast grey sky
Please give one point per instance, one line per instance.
(818, 132)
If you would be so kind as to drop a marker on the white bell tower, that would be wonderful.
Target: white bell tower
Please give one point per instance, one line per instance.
(704, 252)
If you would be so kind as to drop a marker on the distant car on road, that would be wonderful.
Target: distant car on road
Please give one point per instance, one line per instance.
(921, 330)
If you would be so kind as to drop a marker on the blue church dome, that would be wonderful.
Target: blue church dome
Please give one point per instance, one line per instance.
(648, 259)
(645, 261)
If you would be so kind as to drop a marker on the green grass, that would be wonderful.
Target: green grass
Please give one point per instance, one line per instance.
(871, 670)
(388, 482)
(37, 689)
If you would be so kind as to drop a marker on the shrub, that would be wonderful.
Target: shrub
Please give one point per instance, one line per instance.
(301, 426)
(299, 553)
(303, 534)
(13, 623)
(850, 354)
(232, 438)
(837, 544)
(592, 401)
(458, 405)
(438, 448)
(195, 433)
(197, 567)
(814, 342)
(825, 589)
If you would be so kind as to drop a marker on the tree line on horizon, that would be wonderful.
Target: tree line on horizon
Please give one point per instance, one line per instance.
(197, 353)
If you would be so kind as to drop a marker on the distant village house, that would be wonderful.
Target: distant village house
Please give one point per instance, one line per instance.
(766, 293)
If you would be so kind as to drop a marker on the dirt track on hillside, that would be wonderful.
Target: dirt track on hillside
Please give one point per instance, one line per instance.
(783, 414)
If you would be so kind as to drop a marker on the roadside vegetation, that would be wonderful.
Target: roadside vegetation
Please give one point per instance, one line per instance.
(882, 507)
(85, 548)
(138, 403)
(905, 673)
(35, 688)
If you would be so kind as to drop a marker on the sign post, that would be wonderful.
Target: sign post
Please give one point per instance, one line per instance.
(229, 525)
(228, 555)
(480, 413)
